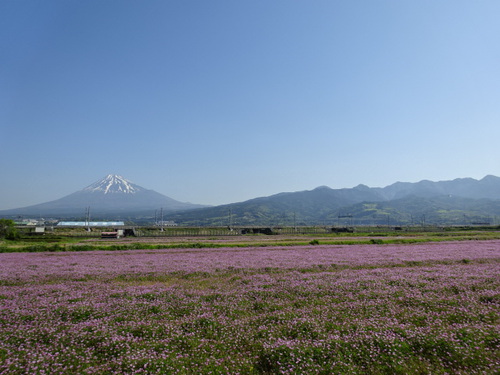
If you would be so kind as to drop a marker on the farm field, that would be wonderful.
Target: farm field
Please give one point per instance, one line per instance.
(422, 308)
(80, 240)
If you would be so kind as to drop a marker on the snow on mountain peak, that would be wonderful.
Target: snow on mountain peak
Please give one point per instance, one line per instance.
(113, 183)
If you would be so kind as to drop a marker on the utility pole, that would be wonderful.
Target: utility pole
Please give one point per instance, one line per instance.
(87, 218)
(230, 218)
(161, 210)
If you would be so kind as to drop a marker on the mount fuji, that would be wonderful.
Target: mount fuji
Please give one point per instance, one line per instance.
(111, 196)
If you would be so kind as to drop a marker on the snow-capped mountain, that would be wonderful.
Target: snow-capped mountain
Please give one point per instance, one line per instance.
(113, 183)
(112, 196)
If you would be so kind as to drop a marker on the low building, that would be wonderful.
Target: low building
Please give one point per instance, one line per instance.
(116, 234)
(90, 224)
(169, 223)
(28, 222)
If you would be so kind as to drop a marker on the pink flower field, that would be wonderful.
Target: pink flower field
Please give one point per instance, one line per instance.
(430, 308)
(108, 263)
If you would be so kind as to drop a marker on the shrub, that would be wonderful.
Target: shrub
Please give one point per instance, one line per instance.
(8, 230)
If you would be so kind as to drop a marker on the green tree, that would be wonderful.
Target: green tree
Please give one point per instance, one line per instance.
(8, 229)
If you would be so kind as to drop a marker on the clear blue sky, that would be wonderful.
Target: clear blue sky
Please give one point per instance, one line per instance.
(216, 102)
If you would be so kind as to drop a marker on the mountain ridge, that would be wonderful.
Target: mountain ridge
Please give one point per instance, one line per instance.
(401, 202)
(487, 187)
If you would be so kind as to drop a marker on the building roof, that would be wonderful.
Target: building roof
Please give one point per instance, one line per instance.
(90, 223)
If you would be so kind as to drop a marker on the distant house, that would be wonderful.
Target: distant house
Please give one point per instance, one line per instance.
(169, 223)
(28, 222)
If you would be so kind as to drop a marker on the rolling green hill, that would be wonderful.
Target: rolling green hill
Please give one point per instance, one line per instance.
(458, 202)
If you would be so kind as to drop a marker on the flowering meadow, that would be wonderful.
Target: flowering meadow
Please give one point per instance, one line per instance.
(428, 308)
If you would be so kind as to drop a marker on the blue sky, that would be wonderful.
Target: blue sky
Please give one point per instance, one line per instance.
(216, 102)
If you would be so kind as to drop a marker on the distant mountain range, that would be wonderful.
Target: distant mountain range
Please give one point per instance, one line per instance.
(462, 201)
(111, 197)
